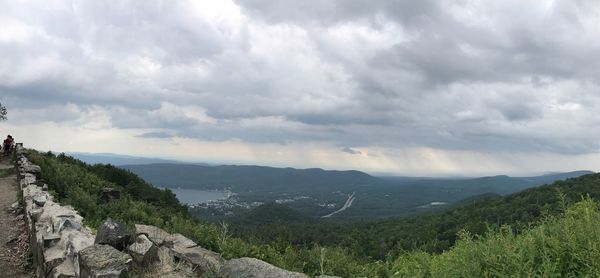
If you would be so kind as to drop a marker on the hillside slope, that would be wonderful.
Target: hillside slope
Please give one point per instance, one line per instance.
(434, 232)
(311, 190)
(560, 244)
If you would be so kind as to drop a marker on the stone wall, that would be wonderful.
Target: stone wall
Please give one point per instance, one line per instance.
(63, 246)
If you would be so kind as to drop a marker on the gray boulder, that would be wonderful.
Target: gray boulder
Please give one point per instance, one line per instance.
(103, 261)
(155, 234)
(113, 233)
(143, 251)
(254, 268)
(40, 199)
(179, 240)
(203, 261)
(32, 169)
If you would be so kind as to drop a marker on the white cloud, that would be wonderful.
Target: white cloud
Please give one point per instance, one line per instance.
(416, 87)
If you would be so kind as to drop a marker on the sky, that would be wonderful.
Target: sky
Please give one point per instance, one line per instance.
(402, 87)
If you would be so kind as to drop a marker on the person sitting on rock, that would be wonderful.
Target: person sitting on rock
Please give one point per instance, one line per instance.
(8, 144)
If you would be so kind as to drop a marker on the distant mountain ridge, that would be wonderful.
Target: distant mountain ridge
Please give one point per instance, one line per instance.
(250, 178)
(120, 159)
(312, 191)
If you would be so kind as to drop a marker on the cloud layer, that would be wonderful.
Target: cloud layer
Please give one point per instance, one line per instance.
(478, 77)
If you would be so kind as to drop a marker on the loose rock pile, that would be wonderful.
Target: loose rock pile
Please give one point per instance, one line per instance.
(63, 247)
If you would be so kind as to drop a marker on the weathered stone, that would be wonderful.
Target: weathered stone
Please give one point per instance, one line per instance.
(109, 194)
(143, 251)
(113, 233)
(203, 261)
(179, 240)
(45, 187)
(40, 199)
(35, 214)
(103, 261)
(53, 257)
(20, 150)
(254, 268)
(29, 178)
(326, 276)
(32, 169)
(64, 270)
(51, 240)
(68, 223)
(155, 234)
(64, 248)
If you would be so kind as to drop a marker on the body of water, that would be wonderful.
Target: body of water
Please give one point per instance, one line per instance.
(195, 196)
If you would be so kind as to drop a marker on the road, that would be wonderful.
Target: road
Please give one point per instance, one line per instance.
(344, 207)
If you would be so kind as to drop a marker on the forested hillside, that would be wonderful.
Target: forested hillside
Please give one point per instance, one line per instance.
(430, 233)
(543, 238)
(318, 192)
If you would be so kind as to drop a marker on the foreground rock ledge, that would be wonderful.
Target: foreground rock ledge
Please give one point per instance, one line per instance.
(254, 268)
(103, 261)
(62, 246)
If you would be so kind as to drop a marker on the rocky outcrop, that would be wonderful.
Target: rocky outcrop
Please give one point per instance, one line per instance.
(63, 246)
(103, 261)
(183, 249)
(57, 234)
(254, 268)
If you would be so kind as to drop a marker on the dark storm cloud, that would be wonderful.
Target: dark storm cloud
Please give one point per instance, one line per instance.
(468, 75)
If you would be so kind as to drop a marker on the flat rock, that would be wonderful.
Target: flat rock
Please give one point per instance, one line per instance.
(254, 268)
(103, 261)
(113, 233)
(180, 241)
(155, 234)
(204, 262)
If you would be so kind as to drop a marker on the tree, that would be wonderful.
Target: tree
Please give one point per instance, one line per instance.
(2, 112)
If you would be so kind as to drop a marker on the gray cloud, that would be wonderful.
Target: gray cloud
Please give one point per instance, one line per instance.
(350, 150)
(466, 75)
(157, 134)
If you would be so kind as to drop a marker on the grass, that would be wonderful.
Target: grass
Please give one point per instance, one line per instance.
(565, 246)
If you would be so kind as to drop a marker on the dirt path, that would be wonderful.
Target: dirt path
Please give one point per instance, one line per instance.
(13, 236)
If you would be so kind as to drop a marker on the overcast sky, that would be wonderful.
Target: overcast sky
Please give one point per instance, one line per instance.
(407, 87)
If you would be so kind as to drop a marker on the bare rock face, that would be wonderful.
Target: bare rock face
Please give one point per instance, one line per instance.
(103, 261)
(143, 251)
(154, 234)
(254, 268)
(113, 233)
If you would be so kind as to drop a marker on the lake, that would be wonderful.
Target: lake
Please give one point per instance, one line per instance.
(195, 196)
